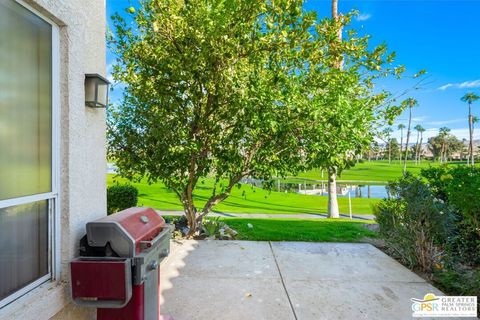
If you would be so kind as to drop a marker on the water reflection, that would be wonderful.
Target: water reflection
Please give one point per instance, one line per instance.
(319, 188)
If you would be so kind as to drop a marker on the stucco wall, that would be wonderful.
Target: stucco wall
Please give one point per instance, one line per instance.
(82, 149)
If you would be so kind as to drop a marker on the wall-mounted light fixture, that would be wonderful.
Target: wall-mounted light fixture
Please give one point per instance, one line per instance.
(96, 91)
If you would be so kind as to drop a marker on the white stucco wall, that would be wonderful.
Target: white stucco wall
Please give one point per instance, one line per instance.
(82, 149)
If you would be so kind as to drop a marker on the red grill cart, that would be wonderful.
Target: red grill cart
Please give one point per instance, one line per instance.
(118, 269)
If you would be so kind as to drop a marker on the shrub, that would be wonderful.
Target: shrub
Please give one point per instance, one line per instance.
(437, 178)
(213, 228)
(460, 187)
(414, 223)
(432, 222)
(463, 189)
(463, 282)
(120, 197)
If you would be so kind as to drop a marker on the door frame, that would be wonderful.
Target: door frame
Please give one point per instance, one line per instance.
(53, 197)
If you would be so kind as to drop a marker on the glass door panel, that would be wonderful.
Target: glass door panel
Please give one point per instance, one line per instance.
(25, 102)
(23, 245)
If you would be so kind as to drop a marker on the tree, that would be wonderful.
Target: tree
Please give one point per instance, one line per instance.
(386, 136)
(344, 110)
(443, 134)
(419, 152)
(435, 146)
(332, 170)
(418, 146)
(416, 143)
(408, 103)
(444, 145)
(453, 145)
(394, 148)
(401, 127)
(464, 151)
(211, 91)
(475, 119)
(470, 98)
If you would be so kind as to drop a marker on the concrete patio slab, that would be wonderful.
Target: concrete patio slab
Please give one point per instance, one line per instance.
(286, 280)
(356, 300)
(221, 259)
(196, 298)
(339, 261)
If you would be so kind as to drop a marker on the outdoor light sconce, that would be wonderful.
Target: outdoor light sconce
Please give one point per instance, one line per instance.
(96, 91)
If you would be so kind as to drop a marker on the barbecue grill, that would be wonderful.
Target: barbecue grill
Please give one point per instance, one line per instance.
(118, 269)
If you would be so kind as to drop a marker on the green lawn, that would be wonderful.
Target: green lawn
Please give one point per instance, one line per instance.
(246, 199)
(341, 230)
(374, 171)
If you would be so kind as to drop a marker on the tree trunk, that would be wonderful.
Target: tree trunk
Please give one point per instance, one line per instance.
(416, 148)
(401, 144)
(334, 8)
(195, 217)
(470, 127)
(332, 172)
(190, 214)
(406, 143)
(332, 194)
(420, 149)
(441, 153)
(390, 152)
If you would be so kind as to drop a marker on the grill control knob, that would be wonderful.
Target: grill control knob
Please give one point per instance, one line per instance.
(153, 265)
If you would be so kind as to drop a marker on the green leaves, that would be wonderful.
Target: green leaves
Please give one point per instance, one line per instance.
(470, 98)
(240, 88)
(343, 107)
(211, 89)
(410, 103)
(420, 73)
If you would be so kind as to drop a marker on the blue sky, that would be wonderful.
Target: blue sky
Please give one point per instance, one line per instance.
(440, 36)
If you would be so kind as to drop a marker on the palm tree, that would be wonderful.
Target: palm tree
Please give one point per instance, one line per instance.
(401, 127)
(409, 103)
(421, 130)
(475, 119)
(470, 98)
(443, 133)
(417, 128)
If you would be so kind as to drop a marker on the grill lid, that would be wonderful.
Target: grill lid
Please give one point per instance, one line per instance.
(125, 230)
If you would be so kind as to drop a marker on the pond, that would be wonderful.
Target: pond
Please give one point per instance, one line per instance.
(319, 188)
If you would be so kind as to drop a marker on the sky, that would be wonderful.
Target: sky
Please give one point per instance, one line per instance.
(441, 36)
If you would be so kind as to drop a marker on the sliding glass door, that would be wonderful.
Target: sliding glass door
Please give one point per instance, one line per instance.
(27, 188)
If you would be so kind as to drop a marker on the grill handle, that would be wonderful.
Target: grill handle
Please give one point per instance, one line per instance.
(165, 233)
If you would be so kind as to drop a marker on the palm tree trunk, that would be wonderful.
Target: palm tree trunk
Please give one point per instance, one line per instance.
(334, 9)
(406, 143)
(420, 148)
(470, 126)
(416, 147)
(401, 144)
